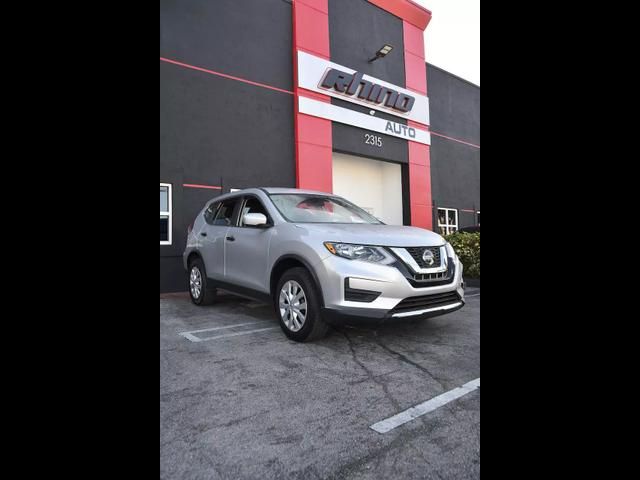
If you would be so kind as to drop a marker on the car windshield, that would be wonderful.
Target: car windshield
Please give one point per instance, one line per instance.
(307, 208)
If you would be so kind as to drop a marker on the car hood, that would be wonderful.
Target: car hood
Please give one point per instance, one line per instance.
(369, 234)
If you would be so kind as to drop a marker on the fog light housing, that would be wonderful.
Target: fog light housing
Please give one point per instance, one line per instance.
(357, 295)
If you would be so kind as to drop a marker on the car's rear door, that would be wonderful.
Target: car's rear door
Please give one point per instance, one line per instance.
(213, 234)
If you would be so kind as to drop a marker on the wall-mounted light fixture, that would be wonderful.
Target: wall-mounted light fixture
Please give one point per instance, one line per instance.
(383, 52)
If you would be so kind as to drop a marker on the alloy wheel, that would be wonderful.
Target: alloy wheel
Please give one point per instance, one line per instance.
(293, 305)
(195, 282)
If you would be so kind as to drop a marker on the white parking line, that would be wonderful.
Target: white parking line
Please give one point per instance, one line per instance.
(237, 334)
(474, 295)
(191, 337)
(430, 405)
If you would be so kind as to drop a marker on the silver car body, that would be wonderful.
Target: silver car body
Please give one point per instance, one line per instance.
(248, 261)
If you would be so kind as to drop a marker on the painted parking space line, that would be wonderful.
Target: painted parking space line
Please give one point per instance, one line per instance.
(191, 337)
(474, 295)
(237, 334)
(412, 413)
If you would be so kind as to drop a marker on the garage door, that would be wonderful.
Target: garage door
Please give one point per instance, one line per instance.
(371, 184)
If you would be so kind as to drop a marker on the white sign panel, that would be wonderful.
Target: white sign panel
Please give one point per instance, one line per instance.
(350, 117)
(312, 71)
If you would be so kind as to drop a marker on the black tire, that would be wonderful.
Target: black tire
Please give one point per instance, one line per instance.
(207, 291)
(313, 327)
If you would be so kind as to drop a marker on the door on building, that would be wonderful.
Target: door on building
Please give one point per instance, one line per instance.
(373, 185)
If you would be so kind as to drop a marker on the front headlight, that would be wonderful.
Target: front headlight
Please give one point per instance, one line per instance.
(365, 253)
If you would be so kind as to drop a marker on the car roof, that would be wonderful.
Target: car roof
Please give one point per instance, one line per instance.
(292, 191)
(268, 190)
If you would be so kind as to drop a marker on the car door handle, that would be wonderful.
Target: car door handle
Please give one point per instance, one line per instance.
(231, 239)
(204, 234)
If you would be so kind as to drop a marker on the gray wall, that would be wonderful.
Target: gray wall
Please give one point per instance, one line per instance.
(357, 29)
(215, 130)
(455, 168)
(243, 38)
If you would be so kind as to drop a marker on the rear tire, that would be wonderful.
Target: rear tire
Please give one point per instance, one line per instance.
(200, 289)
(297, 305)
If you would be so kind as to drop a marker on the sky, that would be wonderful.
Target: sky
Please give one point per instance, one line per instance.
(452, 38)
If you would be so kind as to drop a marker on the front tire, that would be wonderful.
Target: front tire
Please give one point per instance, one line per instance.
(200, 290)
(297, 305)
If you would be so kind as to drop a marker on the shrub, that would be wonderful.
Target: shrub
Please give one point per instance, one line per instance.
(467, 246)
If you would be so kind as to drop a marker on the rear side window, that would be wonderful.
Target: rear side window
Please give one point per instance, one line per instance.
(210, 213)
(224, 215)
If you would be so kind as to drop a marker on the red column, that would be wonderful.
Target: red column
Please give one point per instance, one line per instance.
(419, 160)
(313, 142)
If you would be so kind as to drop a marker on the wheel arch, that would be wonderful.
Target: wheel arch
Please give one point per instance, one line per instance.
(192, 256)
(288, 261)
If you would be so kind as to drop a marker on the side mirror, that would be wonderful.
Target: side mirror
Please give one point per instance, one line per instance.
(254, 219)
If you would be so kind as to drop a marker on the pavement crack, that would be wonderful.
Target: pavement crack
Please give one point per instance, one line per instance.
(408, 361)
(370, 375)
(420, 454)
(402, 440)
(313, 352)
(239, 420)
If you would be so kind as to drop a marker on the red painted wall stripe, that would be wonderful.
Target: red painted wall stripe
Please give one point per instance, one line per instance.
(193, 185)
(224, 75)
(454, 139)
(310, 94)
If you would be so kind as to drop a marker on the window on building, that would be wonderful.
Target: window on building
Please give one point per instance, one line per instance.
(478, 218)
(447, 220)
(165, 214)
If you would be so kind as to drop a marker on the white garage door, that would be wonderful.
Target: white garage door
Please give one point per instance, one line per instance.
(371, 184)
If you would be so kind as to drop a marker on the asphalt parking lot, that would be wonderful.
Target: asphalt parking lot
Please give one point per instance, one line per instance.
(238, 400)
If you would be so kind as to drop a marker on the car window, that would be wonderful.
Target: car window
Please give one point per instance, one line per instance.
(253, 205)
(313, 208)
(224, 215)
(210, 213)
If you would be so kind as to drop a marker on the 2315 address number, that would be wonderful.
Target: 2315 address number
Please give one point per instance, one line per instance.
(374, 140)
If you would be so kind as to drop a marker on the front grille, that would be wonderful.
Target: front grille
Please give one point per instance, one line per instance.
(416, 253)
(427, 277)
(421, 302)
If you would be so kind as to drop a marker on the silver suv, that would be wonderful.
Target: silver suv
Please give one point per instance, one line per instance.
(319, 259)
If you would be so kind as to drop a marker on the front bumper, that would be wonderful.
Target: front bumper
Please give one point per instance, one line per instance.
(369, 315)
(393, 286)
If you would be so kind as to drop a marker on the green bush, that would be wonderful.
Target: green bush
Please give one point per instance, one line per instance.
(467, 246)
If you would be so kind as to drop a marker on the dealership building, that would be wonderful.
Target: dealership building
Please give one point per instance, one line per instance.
(329, 95)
